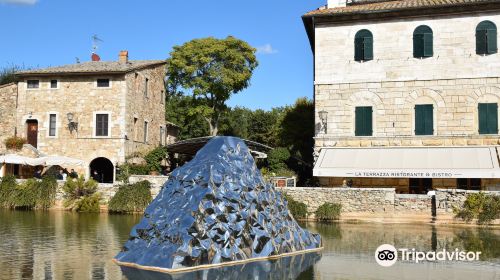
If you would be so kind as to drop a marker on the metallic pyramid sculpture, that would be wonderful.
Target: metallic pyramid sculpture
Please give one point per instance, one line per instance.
(214, 210)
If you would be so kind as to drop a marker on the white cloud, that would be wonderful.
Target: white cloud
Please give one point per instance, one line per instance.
(19, 2)
(266, 49)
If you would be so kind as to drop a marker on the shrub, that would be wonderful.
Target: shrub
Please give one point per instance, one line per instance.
(15, 143)
(131, 198)
(80, 195)
(7, 189)
(328, 211)
(277, 159)
(88, 204)
(25, 195)
(298, 209)
(284, 173)
(154, 158)
(484, 208)
(31, 193)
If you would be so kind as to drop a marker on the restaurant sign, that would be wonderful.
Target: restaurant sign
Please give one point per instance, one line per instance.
(403, 174)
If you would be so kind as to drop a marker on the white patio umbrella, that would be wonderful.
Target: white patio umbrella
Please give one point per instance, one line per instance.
(17, 159)
(61, 161)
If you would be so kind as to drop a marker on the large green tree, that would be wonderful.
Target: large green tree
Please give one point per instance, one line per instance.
(297, 133)
(210, 70)
(177, 111)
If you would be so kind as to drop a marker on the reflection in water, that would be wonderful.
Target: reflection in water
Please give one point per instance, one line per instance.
(284, 268)
(64, 245)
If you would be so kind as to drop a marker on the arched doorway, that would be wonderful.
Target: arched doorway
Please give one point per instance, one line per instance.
(104, 168)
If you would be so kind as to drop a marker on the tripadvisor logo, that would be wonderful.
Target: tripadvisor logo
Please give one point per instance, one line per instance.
(387, 255)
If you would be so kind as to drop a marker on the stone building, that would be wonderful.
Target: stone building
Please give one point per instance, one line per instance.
(406, 93)
(8, 101)
(101, 112)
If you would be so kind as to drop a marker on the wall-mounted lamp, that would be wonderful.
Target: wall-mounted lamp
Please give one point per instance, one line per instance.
(30, 115)
(323, 116)
(72, 125)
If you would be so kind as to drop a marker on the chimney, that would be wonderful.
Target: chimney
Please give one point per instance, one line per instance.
(95, 57)
(123, 57)
(336, 3)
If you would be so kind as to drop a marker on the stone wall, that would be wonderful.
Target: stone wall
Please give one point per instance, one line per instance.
(8, 99)
(447, 200)
(454, 51)
(413, 203)
(352, 199)
(156, 181)
(362, 200)
(142, 107)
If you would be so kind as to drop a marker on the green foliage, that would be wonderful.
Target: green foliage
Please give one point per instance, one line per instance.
(131, 198)
(88, 204)
(47, 190)
(285, 172)
(277, 159)
(297, 133)
(298, 209)
(265, 126)
(8, 74)
(478, 240)
(25, 194)
(80, 195)
(31, 193)
(15, 143)
(8, 186)
(177, 111)
(485, 208)
(154, 158)
(212, 70)
(328, 211)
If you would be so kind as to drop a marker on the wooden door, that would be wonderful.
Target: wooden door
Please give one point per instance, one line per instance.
(32, 133)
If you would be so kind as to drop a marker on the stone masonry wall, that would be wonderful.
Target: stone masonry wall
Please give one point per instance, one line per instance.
(8, 99)
(447, 200)
(145, 108)
(352, 199)
(412, 203)
(454, 51)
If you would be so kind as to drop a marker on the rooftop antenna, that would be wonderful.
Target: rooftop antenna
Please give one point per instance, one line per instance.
(95, 45)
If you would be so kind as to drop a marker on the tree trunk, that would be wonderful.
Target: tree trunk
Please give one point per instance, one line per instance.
(213, 126)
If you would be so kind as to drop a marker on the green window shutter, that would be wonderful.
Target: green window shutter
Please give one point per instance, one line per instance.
(428, 45)
(428, 119)
(368, 48)
(488, 118)
(491, 37)
(424, 121)
(481, 41)
(492, 118)
(358, 49)
(363, 121)
(418, 45)
(483, 118)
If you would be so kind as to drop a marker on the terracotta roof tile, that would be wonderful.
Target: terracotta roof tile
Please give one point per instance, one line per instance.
(387, 6)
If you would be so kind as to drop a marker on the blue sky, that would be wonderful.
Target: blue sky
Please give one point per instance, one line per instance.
(53, 32)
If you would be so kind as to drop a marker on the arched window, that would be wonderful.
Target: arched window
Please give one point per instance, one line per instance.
(423, 42)
(363, 45)
(486, 38)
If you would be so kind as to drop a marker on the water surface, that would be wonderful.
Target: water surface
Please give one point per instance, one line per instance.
(64, 245)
